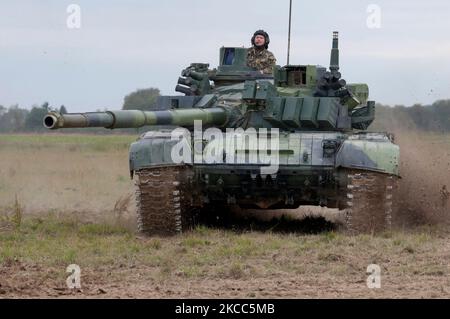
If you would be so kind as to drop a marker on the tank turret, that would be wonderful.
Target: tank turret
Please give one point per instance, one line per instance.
(302, 97)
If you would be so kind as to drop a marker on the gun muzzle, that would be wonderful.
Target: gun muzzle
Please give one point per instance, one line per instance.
(50, 121)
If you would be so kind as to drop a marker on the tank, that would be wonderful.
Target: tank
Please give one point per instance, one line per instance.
(237, 137)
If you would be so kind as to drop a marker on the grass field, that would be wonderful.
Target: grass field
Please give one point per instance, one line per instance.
(218, 263)
(65, 173)
(75, 206)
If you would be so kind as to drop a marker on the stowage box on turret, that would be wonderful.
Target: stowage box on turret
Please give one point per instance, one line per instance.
(240, 137)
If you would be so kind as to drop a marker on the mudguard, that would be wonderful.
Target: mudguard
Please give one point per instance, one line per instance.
(369, 151)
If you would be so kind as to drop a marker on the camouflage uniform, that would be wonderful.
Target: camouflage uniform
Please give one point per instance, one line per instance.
(261, 59)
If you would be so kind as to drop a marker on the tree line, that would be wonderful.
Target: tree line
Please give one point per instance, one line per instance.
(15, 119)
(432, 118)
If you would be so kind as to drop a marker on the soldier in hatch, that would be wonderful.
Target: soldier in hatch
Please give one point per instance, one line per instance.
(258, 56)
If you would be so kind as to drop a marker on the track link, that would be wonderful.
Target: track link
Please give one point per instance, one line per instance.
(163, 200)
(369, 203)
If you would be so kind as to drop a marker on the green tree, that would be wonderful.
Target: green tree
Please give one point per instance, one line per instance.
(63, 109)
(13, 120)
(441, 111)
(142, 99)
(34, 119)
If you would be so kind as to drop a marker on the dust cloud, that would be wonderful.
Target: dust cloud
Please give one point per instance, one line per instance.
(423, 196)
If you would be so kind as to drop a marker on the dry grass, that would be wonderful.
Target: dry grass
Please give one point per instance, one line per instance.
(84, 175)
(207, 262)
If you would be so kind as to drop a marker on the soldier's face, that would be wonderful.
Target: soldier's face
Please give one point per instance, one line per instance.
(260, 40)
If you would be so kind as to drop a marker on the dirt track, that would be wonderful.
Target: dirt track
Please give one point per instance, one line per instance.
(281, 266)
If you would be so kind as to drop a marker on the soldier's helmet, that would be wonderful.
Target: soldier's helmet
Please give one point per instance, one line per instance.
(265, 35)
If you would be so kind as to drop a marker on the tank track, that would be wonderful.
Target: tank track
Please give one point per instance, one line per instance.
(163, 201)
(369, 203)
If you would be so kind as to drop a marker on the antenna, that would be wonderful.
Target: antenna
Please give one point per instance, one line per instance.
(289, 34)
(334, 60)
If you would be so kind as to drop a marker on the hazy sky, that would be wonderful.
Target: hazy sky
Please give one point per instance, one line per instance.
(125, 45)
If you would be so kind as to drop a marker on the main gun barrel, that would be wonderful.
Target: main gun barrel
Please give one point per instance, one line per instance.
(135, 118)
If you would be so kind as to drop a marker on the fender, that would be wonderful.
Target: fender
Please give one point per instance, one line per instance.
(369, 151)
